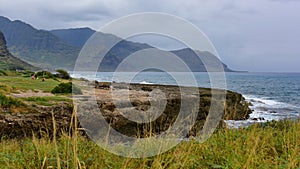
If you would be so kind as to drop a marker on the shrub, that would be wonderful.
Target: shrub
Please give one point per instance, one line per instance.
(25, 73)
(66, 88)
(45, 74)
(63, 74)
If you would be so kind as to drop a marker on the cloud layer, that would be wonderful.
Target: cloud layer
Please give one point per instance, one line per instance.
(256, 35)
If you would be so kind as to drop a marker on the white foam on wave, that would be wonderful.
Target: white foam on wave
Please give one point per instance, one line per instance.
(265, 102)
(264, 110)
(144, 82)
(85, 75)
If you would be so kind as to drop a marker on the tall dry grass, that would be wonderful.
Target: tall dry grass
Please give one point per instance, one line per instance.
(272, 145)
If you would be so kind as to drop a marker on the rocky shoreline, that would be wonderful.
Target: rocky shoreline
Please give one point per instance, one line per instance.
(40, 119)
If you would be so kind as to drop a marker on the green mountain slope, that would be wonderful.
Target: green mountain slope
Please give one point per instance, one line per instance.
(38, 47)
(60, 48)
(8, 61)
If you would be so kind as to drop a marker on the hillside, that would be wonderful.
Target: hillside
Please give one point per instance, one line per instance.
(8, 61)
(192, 59)
(60, 48)
(79, 36)
(38, 47)
(75, 37)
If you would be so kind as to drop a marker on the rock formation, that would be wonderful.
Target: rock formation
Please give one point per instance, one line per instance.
(18, 125)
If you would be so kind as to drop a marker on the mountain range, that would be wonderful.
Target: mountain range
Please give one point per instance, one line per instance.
(75, 37)
(60, 48)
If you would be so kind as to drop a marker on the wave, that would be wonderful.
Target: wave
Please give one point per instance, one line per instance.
(144, 82)
(264, 110)
(256, 101)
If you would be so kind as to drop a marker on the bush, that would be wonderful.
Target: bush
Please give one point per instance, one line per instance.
(45, 74)
(63, 74)
(66, 88)
(25, 73)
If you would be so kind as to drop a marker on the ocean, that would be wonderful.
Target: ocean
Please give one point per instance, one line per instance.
(274, 96)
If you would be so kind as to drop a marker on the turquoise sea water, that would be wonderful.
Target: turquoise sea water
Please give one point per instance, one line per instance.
(274, 96)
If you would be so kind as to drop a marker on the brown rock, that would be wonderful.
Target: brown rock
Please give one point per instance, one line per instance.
(40, 121)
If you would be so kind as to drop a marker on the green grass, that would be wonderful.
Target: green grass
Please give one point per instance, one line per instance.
(16, 82)
(46, 100)
(272, 146)
(9, 84)
(8, 101)
(3, 73)
(26, 83)
(4, 89)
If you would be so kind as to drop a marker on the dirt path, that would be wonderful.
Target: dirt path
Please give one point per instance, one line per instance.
(30, 93)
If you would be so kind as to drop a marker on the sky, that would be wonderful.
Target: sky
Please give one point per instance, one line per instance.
(251, 35)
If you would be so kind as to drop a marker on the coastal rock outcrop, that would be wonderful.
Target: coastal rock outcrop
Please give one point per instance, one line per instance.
(234, 108)
(38, 122)
(18, 125)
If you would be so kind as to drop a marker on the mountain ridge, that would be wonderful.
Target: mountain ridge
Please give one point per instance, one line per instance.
(39, 47)
(59, 48)
(74, 36)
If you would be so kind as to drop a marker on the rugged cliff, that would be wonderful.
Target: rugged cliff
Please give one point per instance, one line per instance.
(39, 119)
(114, 110)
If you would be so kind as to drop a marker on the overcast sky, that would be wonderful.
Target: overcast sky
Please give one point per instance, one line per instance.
(253, 35)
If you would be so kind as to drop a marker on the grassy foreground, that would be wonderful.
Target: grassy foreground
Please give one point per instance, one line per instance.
(276, 145)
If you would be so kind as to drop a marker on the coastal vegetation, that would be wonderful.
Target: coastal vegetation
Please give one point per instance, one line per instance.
(66, 88)
(8, 101)
(19, 83)
(276, 145)
(63, 74)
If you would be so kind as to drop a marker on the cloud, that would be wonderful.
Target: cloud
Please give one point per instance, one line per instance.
(242, 31)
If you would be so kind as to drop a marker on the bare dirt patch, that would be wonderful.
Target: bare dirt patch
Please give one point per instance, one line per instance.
(30, 93)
